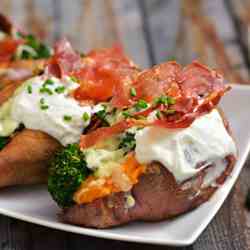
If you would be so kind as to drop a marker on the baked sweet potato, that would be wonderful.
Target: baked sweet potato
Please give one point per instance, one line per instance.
(24, 159)
(157, 196)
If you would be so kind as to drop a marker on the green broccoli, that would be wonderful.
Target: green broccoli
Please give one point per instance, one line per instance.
(3, 141)
(127, 142)
(66, 172)
(41, 50)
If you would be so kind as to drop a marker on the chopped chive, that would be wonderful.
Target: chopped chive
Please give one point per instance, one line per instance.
(141, 104)
(126, 114)
(60, 89)
(44, 107)
(169, 111)
(101, 114)
(165, 100)
(158, 114)
(74, 79)
(171, 100)
(67, 118)
(133, 92)
(29, 89)
(46, 90)
(85, 117)
(48, 82)
(161, 100)
(42, 101)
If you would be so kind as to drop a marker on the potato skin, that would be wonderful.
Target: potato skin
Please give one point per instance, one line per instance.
(25, 158)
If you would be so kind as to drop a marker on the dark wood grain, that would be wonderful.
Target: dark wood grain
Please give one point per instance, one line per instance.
(151, 31)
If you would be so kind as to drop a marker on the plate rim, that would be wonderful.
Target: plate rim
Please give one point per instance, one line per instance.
(139, 239)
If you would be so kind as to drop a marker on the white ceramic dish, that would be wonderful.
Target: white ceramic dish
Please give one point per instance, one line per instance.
(35, 205)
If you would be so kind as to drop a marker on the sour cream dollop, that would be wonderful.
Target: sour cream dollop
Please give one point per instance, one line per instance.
(52, 111)
(205, 141)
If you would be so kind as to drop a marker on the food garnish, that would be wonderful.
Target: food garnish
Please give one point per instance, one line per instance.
(66, 173)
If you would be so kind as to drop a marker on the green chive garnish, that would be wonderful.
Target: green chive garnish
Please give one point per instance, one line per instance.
(165, 100)
(44, 90)
(48, 82)
(169, 111)
(60, 89)
(126, 114)
(67, 118)
(29, 89)
(85, 117)
(133, 92)
(158, 114)
(74, 79)
(171, 100)
(42, 101)
(44, 107)
(141, 104)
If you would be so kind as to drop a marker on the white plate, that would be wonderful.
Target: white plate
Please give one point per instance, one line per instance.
(35, 205)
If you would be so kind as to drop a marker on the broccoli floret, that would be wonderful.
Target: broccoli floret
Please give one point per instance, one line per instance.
(66, 172)
(41, 50)
(3, 141)
(128, 142)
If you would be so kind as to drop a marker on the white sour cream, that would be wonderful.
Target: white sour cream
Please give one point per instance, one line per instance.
(58, 114)
(180, 151)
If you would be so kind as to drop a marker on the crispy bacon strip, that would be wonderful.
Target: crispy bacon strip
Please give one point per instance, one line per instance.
(65, 60)
(197, 88)
(198, 80)
(106, 73)
(156, 81)
(102, 73)
(100, 134)
(8, 47)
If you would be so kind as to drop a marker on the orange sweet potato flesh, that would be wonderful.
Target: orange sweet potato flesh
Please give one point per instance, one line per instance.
(25, 159)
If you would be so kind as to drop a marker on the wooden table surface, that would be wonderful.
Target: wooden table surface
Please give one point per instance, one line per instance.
(151, 31)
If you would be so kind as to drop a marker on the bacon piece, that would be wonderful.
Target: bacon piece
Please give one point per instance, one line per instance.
(100, 134)
(121, 94)
(157, 81)
(97, 84)
(179, 121)
(65, 59)
(8, 47)
(106, 73)
(196, 80)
